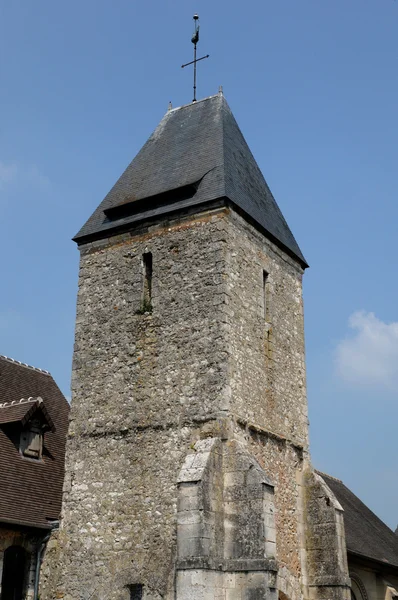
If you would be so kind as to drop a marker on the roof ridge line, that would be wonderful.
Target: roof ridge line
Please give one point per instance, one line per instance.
(321, 473)
(30, 400)
(21, 364)
(190, 103)
(223, 139)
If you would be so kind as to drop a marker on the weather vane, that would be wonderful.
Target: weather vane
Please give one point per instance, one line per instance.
(195, 40)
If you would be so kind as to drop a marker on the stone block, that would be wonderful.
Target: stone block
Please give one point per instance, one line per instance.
(229, 580)
(193, 517)
(189, 503)
(322, 562)
(187, 489)
(329, 593)
(233, 594)
(234, 478)
(195, 546)
(270, 549)
(260, 593)
(257, 579)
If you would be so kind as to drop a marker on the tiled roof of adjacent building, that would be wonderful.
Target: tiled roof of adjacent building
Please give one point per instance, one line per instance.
(30, 491)
(366, 534)
(22, 411)
(197, 155)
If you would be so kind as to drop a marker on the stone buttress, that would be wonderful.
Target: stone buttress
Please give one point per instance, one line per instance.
(188, 473)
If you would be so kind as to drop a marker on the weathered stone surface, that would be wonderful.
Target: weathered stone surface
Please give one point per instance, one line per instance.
(325, 541)
(215, 358)
(266, 351)
(142, 384)
(237, 527)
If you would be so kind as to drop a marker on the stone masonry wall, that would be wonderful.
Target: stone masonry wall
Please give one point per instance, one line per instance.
(267, 354)
(284, 464)
(267, 379)
(141, 385)
(146, 387)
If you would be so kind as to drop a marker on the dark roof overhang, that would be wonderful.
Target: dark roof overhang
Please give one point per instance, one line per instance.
(124, 221)
(372, 563)
(150, 215)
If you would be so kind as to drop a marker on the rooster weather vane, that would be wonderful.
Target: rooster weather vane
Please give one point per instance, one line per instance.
(195, 40)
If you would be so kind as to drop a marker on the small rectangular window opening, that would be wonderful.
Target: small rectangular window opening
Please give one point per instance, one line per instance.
(31, 442)
(147, 292)
(136, 590)
(265, 296)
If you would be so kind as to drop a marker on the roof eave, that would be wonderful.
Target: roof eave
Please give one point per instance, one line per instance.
(302, 262)
(22, 523)
(199, 207)
(386, 566)
(149, 218)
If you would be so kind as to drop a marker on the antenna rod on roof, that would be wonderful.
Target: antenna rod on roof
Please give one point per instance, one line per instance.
(195, 40)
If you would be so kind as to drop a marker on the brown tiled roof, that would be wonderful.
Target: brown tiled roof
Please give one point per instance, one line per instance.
(23, 411)
(30, 490)
(15, 411)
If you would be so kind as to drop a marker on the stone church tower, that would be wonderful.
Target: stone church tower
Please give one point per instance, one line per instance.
(188, 473)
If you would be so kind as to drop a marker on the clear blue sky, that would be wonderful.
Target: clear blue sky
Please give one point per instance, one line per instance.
(313, 85)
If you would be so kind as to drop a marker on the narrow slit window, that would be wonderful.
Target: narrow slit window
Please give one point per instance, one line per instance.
(265, 295)
(136, 591)
(147, 295)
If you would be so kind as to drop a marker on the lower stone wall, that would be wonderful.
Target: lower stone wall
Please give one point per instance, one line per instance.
(50, 567)
(283, 462)
(225, 525)
(217, 585)
(120, 530)
(119, 517)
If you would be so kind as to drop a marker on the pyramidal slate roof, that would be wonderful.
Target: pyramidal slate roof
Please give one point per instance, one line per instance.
(196, 155)
(366, 535)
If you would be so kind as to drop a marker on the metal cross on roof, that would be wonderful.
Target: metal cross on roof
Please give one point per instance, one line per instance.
(195, 40)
